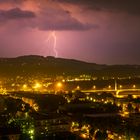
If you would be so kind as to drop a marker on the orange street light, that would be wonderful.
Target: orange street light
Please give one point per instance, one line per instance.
(109, 86)
(59, 85)
(120, 86)
(94, 87)
(134, 86)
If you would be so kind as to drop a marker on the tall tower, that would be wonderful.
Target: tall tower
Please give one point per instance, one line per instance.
(115, 85)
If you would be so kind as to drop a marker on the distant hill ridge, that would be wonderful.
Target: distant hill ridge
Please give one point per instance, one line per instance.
(38, 65)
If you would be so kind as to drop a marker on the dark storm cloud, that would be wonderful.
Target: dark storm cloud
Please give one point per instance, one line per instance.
(70, 24)
(15, 13)
(59, 19)
(52, 19)
(129, 6)
(11, 1)
(51, 16)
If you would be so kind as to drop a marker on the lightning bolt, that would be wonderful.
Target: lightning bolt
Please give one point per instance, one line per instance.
(54, 46)
(52, 36)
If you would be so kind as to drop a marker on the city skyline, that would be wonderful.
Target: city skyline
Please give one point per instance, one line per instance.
(92, 31)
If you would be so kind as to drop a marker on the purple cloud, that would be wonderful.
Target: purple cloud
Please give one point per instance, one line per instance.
(15, 13)
(59, 19)
(128, 6)
(47, 19)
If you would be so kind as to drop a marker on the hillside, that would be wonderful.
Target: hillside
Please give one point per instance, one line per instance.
(39, 65)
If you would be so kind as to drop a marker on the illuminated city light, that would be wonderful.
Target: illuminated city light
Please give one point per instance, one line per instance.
(94, 87)
(109, 86)
(134, 86)
(35, 107)
(63, 80)
(37, 85)
(91, 98)
(84, 136)
(31, 131)
(120, 86)
(59, 85)
(24, 86)
(87, 97)
(94, 100)
(78, 87)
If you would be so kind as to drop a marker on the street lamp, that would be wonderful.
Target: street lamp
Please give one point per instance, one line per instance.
(78, 87)
(120, 86)
(37, 86)
(24, 87)
(94, 87)
(59, 85)
(134, 86)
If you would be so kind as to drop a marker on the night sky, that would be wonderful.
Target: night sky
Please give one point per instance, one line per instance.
(99, 31)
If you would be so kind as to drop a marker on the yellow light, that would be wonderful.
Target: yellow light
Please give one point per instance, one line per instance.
(87, 97)
(120, 86)
(120, 137)
(37, 85)
(31, 137)
(63, 80)
(76, 79)
(94, 87)
(84, 136)
(59, 85)
(78, 87)
(31, 131)
(24, 86)
(91, 98)
(125, 114)
(134, 86)
(135, 96)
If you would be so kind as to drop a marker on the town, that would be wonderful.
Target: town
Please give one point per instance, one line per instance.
(72, 106)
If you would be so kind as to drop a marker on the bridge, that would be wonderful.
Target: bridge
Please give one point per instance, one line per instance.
(115, 90)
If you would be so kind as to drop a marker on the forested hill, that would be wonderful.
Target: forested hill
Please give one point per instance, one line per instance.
(34, 65)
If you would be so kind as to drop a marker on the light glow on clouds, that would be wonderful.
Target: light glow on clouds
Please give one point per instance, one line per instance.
(88, 30)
